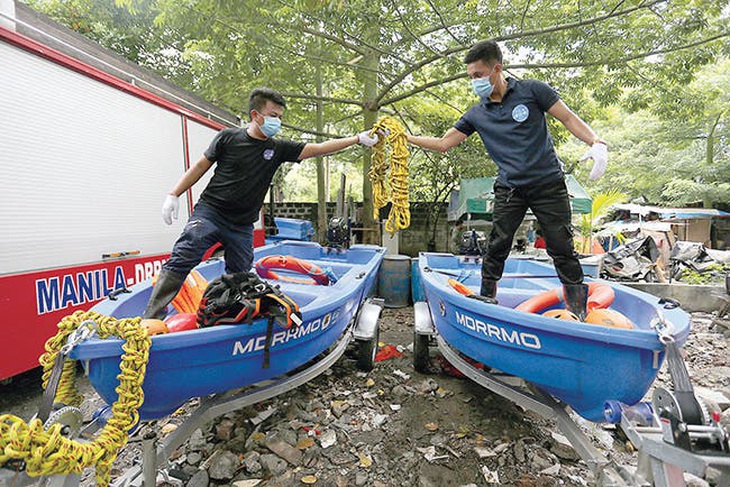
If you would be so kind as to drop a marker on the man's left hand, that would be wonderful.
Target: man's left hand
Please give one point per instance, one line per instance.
(599, 153)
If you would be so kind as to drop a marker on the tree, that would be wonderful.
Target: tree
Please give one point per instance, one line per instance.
(681, 159)
(396, 56)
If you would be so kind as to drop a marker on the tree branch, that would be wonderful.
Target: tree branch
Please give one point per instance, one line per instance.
(517, 35)
(422, 88)
(443, 24)
(330, 37)
(417, 38)
(355, 38)
(605, 62)
(600, 62)
(302, 130)
(323, 98)
(290, 51)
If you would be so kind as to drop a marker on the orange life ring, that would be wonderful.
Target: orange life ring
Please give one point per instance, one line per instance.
(290, 263)
(600, 296)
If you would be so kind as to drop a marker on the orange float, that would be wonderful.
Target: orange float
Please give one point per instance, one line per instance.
(265, 265)
(188, 298)
(460, 288)
(154, 326)
(182, 322)
(561, 314)
(600, 296)
(609, 317)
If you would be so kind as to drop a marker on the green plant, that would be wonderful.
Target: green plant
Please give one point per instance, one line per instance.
(602, 202)
(714, 274)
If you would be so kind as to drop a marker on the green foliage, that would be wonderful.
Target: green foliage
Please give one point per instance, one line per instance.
(600, 206)
(714, 274)
(666, 160)
(650, 76)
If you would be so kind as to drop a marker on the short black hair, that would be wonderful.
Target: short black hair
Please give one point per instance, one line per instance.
(487, 51)
(259, 96)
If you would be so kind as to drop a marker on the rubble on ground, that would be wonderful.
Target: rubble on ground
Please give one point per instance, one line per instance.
(394, 426)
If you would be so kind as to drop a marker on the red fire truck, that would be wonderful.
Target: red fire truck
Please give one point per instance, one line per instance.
(86, 158)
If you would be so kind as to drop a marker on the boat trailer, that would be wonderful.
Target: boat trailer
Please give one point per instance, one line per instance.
(667, 446)
(363, 329)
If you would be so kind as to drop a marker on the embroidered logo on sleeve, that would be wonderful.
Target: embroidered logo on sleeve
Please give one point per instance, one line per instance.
(268, 154)
(520, 113)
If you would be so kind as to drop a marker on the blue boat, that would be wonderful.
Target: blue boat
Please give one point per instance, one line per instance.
(583, 365)
(221, 358)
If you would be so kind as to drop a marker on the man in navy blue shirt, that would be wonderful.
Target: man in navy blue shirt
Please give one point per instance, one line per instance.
(246, 160)
(510, 119)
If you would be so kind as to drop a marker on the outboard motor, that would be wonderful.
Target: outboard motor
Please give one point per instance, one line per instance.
(338, 233)
(472, 243)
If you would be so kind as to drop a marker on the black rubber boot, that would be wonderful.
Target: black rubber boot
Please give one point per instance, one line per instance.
(167, 286)
(576, 297)
(489, 291)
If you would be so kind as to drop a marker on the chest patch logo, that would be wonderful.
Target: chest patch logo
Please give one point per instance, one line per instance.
(520, 113)
(268, 154)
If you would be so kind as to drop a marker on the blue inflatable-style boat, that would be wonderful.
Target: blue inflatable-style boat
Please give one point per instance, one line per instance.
(221, 358)
(584, 365)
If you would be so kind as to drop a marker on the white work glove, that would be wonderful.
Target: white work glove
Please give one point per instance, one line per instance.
(170, 208)
(599, 153)
(365, 139)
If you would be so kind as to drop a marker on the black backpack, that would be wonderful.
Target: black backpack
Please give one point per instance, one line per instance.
(241, 297)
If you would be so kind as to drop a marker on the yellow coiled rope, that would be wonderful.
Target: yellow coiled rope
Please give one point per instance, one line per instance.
(51, 453)
(389, 174)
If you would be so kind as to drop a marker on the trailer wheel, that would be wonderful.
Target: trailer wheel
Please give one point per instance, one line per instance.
(420, 352)
(367, 349)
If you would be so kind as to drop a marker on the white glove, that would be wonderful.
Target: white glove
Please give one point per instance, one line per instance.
(365, 139)
(599, 153)
(170, 208)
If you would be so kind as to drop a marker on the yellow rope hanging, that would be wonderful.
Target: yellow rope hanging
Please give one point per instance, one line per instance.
(391, 187)
(49, 452)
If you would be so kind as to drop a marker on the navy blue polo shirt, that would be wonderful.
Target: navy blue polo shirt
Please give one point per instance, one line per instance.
(515, 134)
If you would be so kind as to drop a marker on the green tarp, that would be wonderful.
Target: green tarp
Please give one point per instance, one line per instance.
(475, 197)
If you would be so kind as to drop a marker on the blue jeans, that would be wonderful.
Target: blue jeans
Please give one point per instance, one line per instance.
(204, 229)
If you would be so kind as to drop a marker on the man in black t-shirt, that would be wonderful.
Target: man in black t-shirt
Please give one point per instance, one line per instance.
(246, 160)
(510, 119)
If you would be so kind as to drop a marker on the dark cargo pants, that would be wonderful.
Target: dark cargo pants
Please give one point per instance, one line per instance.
(550, 204)
(205, 228)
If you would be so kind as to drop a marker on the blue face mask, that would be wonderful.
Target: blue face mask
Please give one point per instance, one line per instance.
(271, 126)
(482, 87)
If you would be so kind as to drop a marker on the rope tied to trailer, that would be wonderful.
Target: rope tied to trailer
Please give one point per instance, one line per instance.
(49, 452)
(389, 173)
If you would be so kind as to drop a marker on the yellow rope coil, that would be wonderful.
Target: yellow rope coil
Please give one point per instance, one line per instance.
(49, 452)
(389, 174)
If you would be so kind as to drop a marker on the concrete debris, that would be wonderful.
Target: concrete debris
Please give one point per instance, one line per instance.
(401, 374)
(562, 448)
(490, 476)
(262, 416)
(284, 450)
(328, 439)
(199, 479)
(223, 465)
(429, 453)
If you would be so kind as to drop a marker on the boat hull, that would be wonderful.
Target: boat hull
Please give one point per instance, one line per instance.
(581, 364)
(212, 360)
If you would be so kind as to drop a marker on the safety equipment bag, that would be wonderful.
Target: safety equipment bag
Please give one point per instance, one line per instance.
(243, 296)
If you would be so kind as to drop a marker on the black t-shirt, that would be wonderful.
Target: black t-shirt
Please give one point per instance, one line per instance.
(515, 133)
(243, 172)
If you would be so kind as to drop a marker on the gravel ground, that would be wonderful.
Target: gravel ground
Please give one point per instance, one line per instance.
(392, 426)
